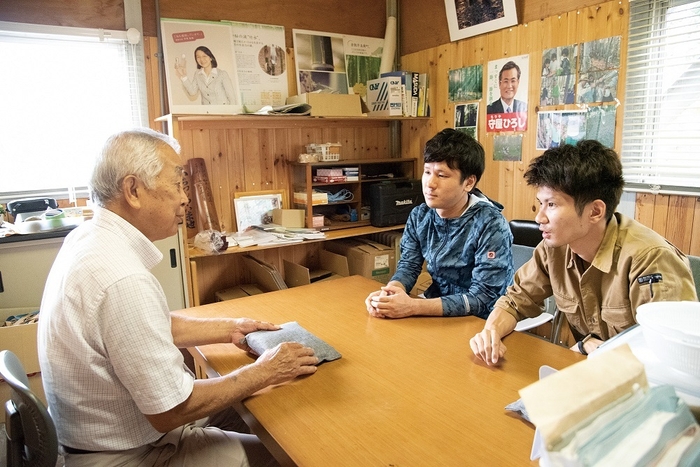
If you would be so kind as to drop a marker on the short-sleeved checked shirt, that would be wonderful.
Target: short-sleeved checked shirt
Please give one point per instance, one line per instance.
(105, 344)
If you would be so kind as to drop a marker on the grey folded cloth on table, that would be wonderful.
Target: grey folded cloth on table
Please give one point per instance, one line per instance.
(260, 341)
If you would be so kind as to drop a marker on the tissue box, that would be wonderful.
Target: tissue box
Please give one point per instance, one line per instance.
(384, 97)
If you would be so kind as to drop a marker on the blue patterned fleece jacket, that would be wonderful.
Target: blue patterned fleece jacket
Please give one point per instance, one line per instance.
(469, 258)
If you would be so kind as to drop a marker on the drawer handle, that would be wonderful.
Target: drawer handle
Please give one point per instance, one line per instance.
(173, 258)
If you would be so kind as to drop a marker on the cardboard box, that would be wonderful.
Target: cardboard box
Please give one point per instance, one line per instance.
(21, 340)
(330, 105)
(366, 258)
(266, 276)
(239, 291)
(333, 266)
(384, 97)
(288, 217)
(316, 198)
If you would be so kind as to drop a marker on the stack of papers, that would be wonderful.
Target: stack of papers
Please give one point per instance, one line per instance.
(271, 234)
(289, 109)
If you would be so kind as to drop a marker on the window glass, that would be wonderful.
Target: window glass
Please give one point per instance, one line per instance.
(662, 108)
(63, 95)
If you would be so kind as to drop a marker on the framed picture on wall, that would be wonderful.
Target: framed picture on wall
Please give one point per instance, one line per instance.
(467, 18)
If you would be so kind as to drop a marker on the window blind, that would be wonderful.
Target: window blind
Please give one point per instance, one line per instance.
(661, 134)
(65, 91)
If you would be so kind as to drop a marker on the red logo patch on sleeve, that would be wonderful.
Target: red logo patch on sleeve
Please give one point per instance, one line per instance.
(491, 255)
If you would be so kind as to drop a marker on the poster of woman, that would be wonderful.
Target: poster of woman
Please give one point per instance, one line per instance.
(200, 67)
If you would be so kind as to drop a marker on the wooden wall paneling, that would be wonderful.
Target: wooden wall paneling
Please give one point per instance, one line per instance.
(661, 204)
(677, 218)
(412, 143)
(281, 154)
(201, 147)
(679, 227)
(370, 144)
(346, 138)
(291, 74)
(312, 135)
(493, 181)
(266, 153)
(520, 197)
(440, 108)
(521, 41)
(644, 208)
(225, 184)
(150, 49)
(218, 272)
(433, 90)
(695, 231)
(619, 14)
(423, 25)
(252, 161)
(364, 18)
(106, 14)
(235, 171)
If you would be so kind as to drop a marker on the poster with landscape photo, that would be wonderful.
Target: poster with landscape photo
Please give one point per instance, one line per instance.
(598, 73)
(465, 84)
(363, 57)
(467, 18)
(320, 62)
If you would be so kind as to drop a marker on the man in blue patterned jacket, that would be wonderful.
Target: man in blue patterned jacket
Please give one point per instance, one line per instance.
(458, 232)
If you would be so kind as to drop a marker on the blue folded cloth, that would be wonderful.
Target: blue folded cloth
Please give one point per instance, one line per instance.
(260, 341)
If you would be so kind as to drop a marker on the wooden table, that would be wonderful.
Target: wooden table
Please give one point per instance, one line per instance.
(406, 392)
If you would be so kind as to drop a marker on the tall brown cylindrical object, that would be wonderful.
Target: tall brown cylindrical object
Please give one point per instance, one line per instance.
(207, 219)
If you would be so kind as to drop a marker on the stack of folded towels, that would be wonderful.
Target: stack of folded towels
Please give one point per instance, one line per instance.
(602, 412)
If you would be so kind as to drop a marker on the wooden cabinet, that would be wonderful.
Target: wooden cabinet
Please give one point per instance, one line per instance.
(346, 194)
(249, 154)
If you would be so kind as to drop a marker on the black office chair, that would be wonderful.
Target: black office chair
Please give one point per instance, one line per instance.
(695, 269)
(30, 432)
(526, 236)
(525, 232)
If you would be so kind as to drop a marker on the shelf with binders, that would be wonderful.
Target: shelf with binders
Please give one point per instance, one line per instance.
(338, 190)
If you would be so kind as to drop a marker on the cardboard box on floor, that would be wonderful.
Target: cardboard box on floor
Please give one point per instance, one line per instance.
(366, 258)
(333, 266)
(266, 276)
(239, 291)
(21, 340)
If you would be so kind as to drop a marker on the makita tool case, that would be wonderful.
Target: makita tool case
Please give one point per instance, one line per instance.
(391, 202)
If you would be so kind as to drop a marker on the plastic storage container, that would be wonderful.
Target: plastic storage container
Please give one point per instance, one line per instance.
(672, 331)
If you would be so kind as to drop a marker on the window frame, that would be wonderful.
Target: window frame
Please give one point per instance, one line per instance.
(137, 84)
(646, 136)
